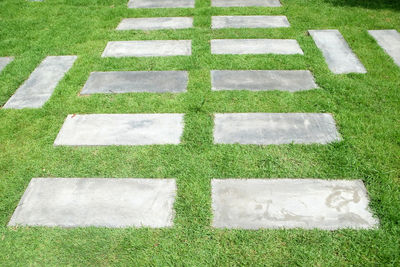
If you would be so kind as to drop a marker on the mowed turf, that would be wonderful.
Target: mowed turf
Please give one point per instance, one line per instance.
(365, 107)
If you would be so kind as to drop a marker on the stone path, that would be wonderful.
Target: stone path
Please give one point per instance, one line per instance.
(157, 48)
(161, 3)
(81, 202)
(389, 40)
(163, 23)
(219, 22)
(40, 85)
(4, 61)
(290, 203)
(136, 81)
(245, 3)
(255, 46)
(337, 53)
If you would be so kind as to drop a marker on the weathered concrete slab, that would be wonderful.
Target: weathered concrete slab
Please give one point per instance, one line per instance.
(120, 129)
(274, 128)
(219, 22)
(255, 46)
(161, 3)
(102, 202)
(148, 48)
(136, 81)
(156, 23)
(389, 40)
(290, 203)
(4, 61)
(245, 3)
(39, 87)
(338, 55)
(262, 80)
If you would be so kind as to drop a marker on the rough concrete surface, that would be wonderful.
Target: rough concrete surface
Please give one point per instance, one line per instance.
(389, 40)
(255, 46)
(245, 3)
(219, 22)
(161, 3)
(162, 23)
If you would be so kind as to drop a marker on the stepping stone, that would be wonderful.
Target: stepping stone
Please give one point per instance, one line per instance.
(389, 40)
(101, 202)
(245, 3)
(219, 22)
(39, 87)
(255, 46)
(290, 203)
(136, 81)
(158, 48)
(262, 80)
(274, 128)
(156, 23)
(120, 129)
(161, 4)
(337, 53)
(4, 61)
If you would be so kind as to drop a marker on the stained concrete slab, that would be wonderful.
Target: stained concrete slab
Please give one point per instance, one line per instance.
(219, 22)
(40, 85)
(245, 3)
(389, 40)
(274, 128)
(290, 203)
(136, 81)
(148, 48)
(338, 55)
(255, 46)
(163, 23)
(101, 202)
(120, 129)
(4, 61)
(161, 3)
(262, 80)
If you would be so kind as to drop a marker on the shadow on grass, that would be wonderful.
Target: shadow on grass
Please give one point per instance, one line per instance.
(371, 4)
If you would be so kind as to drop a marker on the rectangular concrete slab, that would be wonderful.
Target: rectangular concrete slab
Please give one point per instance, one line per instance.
(163, 23)
(338, 55)
(101, 202)
(245, 3)
(262, 80)
(4, 61)
(255, 46)
(389, 40)
(219, 22)
(274, 128)
(40, 85)
(290, 203)
(149, 48)
(120, 129)
(136, 81)
(161, 3)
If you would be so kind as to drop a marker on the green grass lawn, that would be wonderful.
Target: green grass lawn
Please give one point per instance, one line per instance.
(366, 108)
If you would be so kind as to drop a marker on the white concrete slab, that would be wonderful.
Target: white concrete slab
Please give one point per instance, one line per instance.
(136, 81)
(40, 85)
(163, 23)
(290, 203)
(274, 128)
(4, 61)
(161, 3)
(338, 55)
(255, 46)
(148, 48)
(101, 202)
(389, 40)
(120, 129)
(262, 80)
(219, 22)
(245, 3)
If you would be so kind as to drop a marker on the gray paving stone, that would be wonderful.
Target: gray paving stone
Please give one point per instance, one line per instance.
(149, 48)
(4, 61)
(262, 80)
(389, 40)
(102, 202)
(290, 203)
(120, 129)
(245, 3)
(136, 81)
(161, 3)
(274, 128)
(219, 22)
(156, 23)
(255, 46)
(338, 55)
(40, 85)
